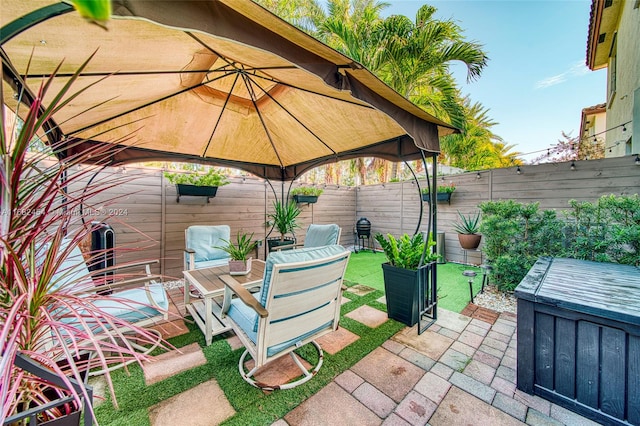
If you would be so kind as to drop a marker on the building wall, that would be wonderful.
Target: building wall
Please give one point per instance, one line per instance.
(621, 106)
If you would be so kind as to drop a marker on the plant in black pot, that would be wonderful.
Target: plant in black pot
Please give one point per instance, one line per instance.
(467, 229)
(240, 263)
(284, 219)
(406, 274)
(306, 194)
(199, 185)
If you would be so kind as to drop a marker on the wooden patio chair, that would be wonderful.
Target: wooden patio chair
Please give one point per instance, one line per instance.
(298, 303)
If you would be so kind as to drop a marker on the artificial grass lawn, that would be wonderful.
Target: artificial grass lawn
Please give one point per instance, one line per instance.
(453, 288)
(251, 404)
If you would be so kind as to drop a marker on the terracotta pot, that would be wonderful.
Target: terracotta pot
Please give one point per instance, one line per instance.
(239, 267)
(469, 241)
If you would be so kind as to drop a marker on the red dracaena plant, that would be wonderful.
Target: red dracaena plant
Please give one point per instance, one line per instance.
(42, 316)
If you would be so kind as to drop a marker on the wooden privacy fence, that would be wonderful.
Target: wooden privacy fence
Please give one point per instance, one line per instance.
(149, 223)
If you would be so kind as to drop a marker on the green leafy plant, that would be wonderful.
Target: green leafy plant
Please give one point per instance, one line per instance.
(406, 252)
(284, 218)
(515, 236)
(469, 224)
(240, 249)
(442, 189)
(45, 314)
(307, 190)
(211, 178)
(605, 231)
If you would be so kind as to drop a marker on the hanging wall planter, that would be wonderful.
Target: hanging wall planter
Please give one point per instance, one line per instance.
(196, 185)
(440, 197)
(306, 194)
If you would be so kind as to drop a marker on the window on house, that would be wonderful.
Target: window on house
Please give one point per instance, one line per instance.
(613, 59)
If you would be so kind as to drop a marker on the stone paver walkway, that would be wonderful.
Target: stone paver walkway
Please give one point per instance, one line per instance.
(460, 371)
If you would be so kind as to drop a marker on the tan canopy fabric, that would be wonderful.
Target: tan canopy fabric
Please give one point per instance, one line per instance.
(223, 82)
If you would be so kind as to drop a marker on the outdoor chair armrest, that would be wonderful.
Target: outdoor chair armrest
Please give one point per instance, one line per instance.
(243, 294)
(145, 263)
(192, 258)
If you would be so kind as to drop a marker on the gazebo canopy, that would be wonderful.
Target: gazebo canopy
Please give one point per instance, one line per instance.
(222, 82)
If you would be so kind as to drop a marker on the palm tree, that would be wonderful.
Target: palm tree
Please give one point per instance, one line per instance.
(477, 147)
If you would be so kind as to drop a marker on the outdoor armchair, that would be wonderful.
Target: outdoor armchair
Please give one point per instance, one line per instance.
(298, 303)
(317, 236)
(200, 242)
(137, 297)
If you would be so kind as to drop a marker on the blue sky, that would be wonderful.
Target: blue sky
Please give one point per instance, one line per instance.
(536, 82)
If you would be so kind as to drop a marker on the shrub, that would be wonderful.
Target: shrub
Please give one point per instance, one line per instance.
(446, 189)
(515, 236)
(605, 231)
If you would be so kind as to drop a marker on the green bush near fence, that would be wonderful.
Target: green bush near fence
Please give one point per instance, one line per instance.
(517, 234)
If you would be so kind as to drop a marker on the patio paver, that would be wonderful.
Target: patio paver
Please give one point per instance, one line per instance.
(187, 409)
(336, 341)
(368, 316)
(332, 405)
(173, 362)
(461, 408)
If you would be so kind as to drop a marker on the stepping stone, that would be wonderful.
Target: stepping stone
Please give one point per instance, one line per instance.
(462, 408)
(368, 316)
(277, 372)
(336, 341)
(332, 405)
(170, 329)
(173, 362)
(204, 404)
(360, 289)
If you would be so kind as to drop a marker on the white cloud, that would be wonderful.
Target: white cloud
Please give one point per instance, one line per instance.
(575, 70)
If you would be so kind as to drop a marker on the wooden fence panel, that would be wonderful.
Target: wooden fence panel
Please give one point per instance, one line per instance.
(151, 207)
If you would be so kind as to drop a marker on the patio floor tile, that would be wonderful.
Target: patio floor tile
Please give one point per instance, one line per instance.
(277, 372)
(375, 400)
(452, 320)
(429, 343)
(388, 372)
(173, 362)
(335, 341)
(480, 313)
(187, 408)
(349, 381)
(332, 405)
(395, 420)
(433, 387)
(416, 408)
(480, 371)
(368, 316)
(234, 342)
(461, 408)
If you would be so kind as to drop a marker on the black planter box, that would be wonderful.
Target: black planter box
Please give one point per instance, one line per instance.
(273, 242)
(579, 337)
(406, 291)
(195, 191)
(440, 196)
(305, 198)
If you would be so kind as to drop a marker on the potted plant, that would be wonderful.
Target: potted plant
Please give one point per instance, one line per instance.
(306, 194)
(443, 193)
(44, 317)
(284, 219)
(406, 275)
(467, 229)
(240, 264)
(198, 185)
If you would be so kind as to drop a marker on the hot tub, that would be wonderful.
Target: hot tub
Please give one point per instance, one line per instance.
(579, 337)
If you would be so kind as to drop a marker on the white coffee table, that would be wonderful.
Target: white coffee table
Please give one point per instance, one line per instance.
(206, 312)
